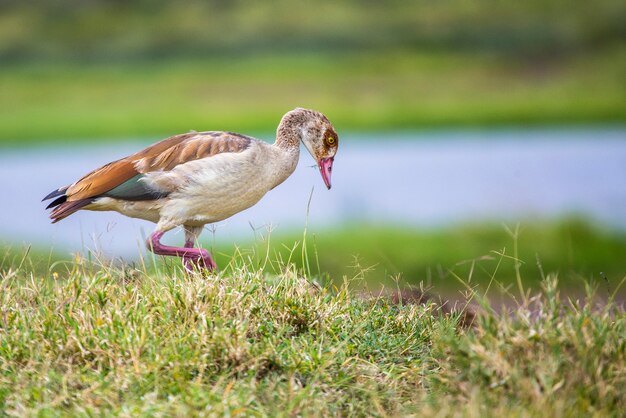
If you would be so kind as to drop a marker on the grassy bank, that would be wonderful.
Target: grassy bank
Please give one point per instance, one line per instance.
(107, 341)
(394, 89)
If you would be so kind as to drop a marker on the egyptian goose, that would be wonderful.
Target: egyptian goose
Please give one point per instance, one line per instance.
(198, 178)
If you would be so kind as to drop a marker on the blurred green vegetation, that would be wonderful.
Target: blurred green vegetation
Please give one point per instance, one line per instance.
(394, 90)
(574, 249)
(105, 30)
(116, 69)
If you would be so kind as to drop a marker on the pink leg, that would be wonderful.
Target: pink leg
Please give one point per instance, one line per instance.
(198, 257)
(193, 263)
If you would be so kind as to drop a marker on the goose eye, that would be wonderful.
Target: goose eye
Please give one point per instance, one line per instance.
(330, 140)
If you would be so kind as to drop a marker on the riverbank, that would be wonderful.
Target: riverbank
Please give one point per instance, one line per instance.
(395, 89)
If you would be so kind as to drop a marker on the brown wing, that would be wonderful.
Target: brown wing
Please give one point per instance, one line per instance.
(101, 180)
(162, 156)
(194, 147)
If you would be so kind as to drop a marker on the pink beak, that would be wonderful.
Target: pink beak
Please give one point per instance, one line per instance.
(326, 167)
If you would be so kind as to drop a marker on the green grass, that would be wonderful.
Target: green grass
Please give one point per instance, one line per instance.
(97, 340)
(394, 89)
(577, 250)
(581, 253)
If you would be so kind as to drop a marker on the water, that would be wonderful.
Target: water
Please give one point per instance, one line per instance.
(425, 179)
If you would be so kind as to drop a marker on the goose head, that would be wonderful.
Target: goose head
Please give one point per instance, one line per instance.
(318, 136)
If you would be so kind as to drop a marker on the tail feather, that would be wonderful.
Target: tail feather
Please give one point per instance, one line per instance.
(65, 209)
(60, 205)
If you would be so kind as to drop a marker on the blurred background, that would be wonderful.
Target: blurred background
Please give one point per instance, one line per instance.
(470, 131)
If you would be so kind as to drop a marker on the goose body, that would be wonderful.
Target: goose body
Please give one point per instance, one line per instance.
(198, 178)
(232, 181)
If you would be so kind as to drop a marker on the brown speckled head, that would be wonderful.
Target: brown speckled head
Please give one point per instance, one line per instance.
(316, 133)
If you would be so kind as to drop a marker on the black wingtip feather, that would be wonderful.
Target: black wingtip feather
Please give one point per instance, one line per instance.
(57, 202)
(55, 193)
